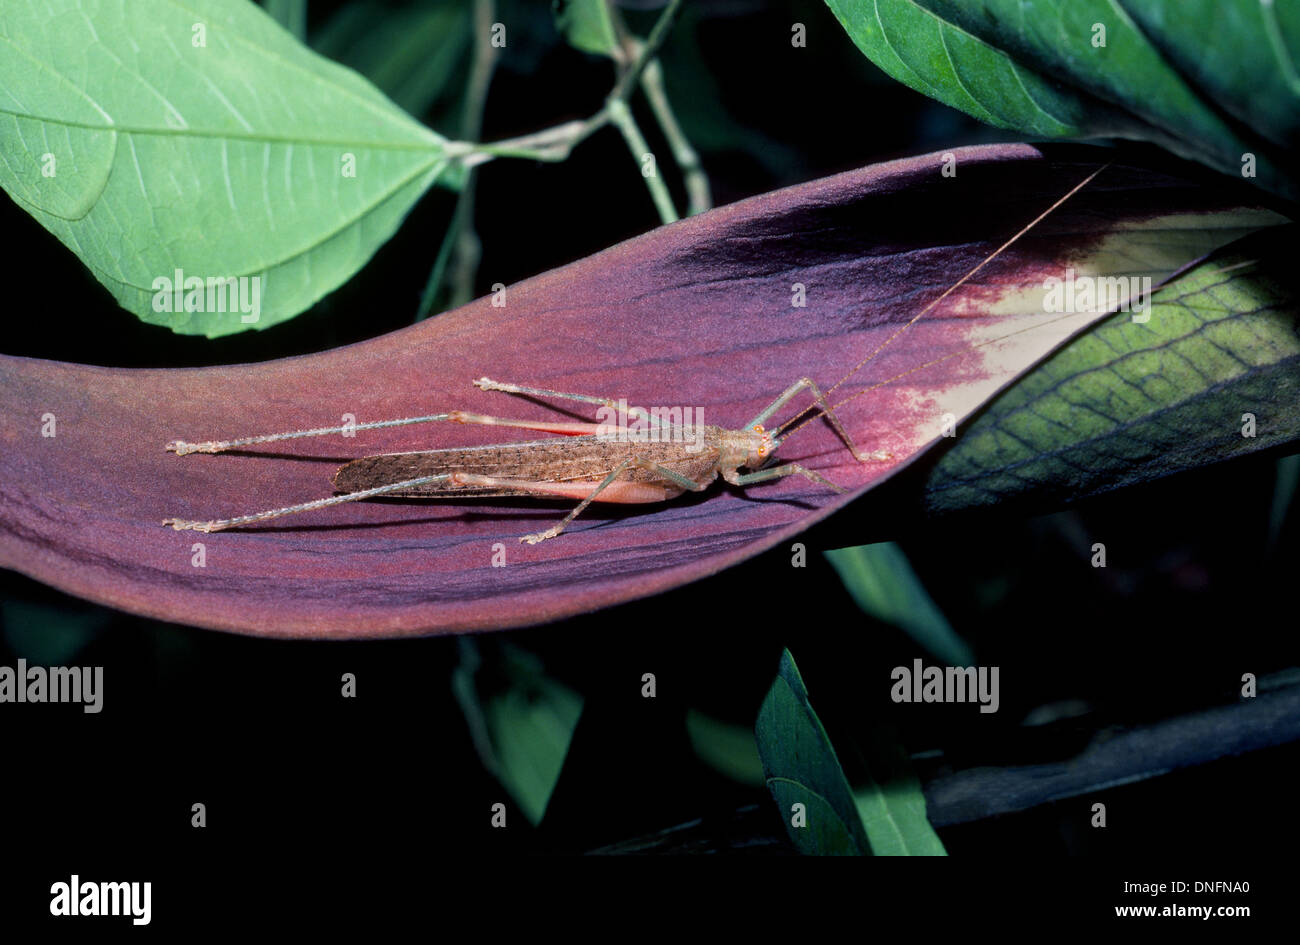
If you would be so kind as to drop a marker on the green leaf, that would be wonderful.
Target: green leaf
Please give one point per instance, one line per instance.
(48, 635)
(885, 815)
(1129, 401)
(151, 137)
(939, 59)
(587, 25)
(801, 767)
(883, 584)
(890, 801)
(1165, 72)
(418, 55)
(1248, 68)
(522, 722)
(291, 14)
(726, 748)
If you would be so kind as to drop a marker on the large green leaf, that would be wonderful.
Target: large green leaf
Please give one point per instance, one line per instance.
(890, 801)
(1248, 68)
(884, 815)
(155, 136)
(417, 54)
(522, 721)
(726, 748)
(587, 25)
(1131, 401)
(883, 584)
(1162, 70)
(801, 768)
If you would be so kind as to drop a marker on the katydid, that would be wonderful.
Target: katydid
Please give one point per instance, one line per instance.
(591, 462)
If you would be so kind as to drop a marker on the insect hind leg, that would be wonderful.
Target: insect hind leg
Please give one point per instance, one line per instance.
(221, 524)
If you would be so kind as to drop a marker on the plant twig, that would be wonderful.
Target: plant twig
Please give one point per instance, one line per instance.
(555, 144)
(1112, 758)
(449, 242)
(629, 80)
(461, 249)
(465, 262)
(621, 116)
(698, 194)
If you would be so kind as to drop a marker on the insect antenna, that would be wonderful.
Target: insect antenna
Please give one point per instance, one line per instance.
(781, 431)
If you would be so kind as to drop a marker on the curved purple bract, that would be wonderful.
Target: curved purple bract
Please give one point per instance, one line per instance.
(694, 314)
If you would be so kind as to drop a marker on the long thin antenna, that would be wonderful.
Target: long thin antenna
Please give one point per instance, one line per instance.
(992, 341)
(940, 360)
(930, 307)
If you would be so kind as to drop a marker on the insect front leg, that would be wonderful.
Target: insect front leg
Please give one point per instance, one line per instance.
(828, 411)
(778, 472)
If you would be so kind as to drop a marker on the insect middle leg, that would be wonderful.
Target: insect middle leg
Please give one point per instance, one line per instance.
(779, 472)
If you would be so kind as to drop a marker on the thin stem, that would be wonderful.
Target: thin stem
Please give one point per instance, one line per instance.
(434, 282)
(629, 80)
(698, 194)
(549, 144)
(555, 144)
(465, 260)
(621, 116)
(461, 249)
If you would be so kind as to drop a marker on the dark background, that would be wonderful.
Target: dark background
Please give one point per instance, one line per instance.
(1199, 587)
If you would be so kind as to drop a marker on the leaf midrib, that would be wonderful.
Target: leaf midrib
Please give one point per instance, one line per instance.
(433, 145)
(434, 139)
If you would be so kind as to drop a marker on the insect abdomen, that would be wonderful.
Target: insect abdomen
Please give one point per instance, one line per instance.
(556, 460)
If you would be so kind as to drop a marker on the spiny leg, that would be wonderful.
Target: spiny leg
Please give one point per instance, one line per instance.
(182, 448)
(778, 472)
(828, 411)
(556, 529)
(217, 525)
(670, 474)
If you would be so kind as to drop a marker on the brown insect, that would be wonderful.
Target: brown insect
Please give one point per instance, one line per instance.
(594, 462)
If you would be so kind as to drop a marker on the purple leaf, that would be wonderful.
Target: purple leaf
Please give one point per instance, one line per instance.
(697, 314)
